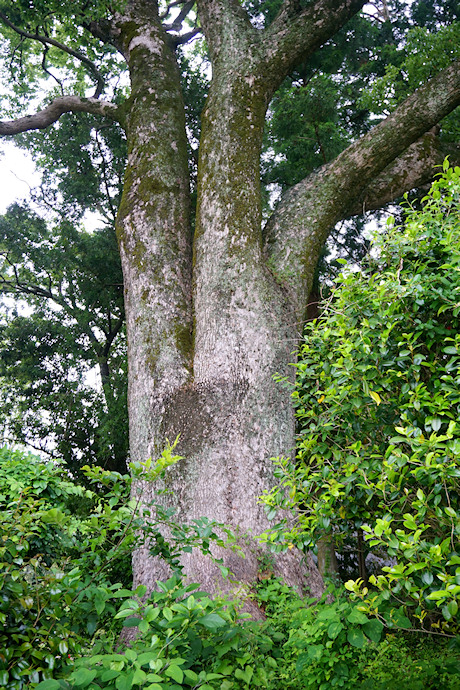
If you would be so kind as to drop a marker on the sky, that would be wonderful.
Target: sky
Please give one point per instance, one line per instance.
(17, 174)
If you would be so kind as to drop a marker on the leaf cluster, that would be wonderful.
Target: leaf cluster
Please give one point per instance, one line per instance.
(65, 553)
(377, 406)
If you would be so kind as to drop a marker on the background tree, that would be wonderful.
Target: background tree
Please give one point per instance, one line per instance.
(211, 317)
(67, 320)
(64, 313)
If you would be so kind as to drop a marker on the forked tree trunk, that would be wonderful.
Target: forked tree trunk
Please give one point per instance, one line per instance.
(231, 415)
(207, 335)
(210, 322)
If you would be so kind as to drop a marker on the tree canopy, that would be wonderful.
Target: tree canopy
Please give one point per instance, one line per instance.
(66, 321)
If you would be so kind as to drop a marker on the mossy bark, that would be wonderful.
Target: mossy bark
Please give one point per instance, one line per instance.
(154, 236)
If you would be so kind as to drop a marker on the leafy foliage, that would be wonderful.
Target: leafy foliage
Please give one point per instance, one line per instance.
(65, 553)
(82, 163)
(67, 319)
(65, 593)
(376, 401)
(56, 567)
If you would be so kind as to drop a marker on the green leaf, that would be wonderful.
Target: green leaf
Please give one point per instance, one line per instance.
(63, 647)
(334, 629)
(125, 681)
(245, 674)
(356, 638)
(44, 685)
(357, 617)
(140, 591)
(315, 651)
(131, 622)
(82, 677)
(401, 620)
(452, 607)
(427, 578)
(175, 672)
(139, 677)
(302, 661)
(212, 621)
(373, 629)
(109, 674)
(376, 397)
(145, 658)
(143, 626)
(54, 516)
(191, 676)
(327, 613)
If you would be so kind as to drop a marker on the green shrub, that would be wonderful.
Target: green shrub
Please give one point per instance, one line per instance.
(54, 593)
(187, 640)
(412, 663)
(60, 562)
(377, 401)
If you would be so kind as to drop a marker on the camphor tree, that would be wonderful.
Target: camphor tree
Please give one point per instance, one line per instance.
(212, 315)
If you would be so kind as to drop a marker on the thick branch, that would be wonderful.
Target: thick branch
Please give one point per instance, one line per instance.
(415, 168)
(306, 214)
(224, 23)
(47, 41)
(114, 331)
(67, 104)
(296, 34)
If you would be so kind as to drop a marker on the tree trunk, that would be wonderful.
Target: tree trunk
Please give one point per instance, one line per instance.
(232, 417)
(249, 290)
(327, 560)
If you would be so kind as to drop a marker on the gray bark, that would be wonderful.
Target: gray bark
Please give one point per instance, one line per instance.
(305, 215)
(65, 104)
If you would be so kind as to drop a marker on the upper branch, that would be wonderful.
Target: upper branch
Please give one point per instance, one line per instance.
(176, 25)
(224, 23)
(414, 168)
(297, 33)
(306, 214)
(52, 113)
(47, 41)
(185, 38)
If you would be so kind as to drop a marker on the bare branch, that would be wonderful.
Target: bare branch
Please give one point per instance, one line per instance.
(185, 38)
(111, 335)
(176, 25)
(47, 41)
(46, 70)
(105, 177)
(17, 286)
(52, 113)
(165, 14)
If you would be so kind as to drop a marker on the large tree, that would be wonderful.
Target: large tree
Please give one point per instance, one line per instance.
(212, 315)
